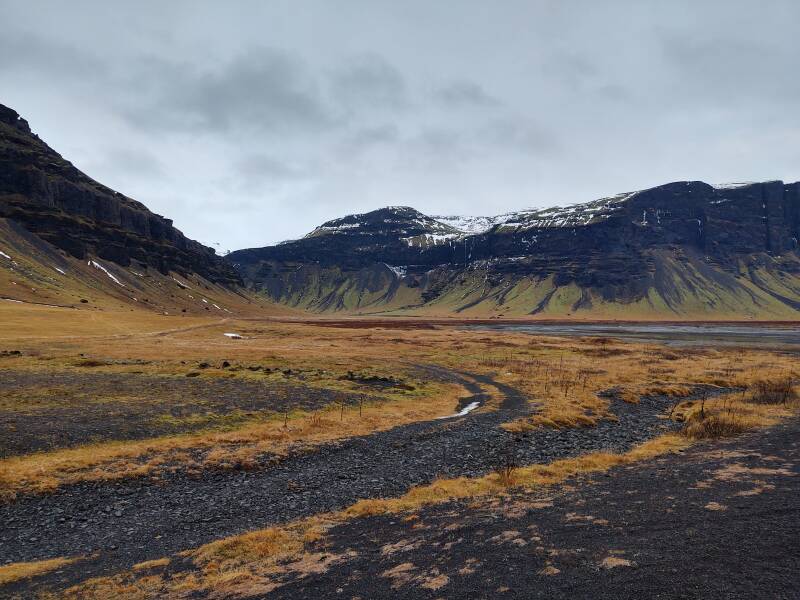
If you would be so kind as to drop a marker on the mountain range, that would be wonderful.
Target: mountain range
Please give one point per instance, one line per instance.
(684, 249)
(681, 250)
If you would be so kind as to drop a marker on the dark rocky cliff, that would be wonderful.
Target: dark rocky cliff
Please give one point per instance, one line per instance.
(675, 239)
(57, 202)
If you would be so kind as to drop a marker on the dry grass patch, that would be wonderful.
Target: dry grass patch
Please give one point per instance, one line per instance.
(717, 426)
(763, 404)
(561, 376)
(236, 566)
(564, 381)
(151, 564)
(777, 391)
(25, 570)
(615, 562)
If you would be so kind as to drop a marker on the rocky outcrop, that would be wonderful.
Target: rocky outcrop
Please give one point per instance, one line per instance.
(60, 204)
(685, 243)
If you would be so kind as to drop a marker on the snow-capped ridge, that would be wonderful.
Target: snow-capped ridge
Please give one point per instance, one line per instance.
(416, 229)
(399, 222)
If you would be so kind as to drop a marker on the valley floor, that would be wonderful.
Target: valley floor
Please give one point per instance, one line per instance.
(367, 460)
(129, 522)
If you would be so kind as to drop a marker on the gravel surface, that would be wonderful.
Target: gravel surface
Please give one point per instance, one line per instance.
(718, 522)
(91, 407)
(130, 521)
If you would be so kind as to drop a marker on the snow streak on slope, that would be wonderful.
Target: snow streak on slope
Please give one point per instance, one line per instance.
(97, 265)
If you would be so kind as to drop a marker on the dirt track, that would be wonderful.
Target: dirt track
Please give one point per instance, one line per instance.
(131, 521)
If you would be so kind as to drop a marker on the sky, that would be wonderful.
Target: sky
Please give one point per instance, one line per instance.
(251, 122)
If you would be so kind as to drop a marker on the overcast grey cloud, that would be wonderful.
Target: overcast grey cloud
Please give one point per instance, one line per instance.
(461, 94)
(263, 90)
(250, 122)
(369, 82)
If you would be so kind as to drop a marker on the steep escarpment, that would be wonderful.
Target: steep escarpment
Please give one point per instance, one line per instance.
(682, 249)
(49, 197)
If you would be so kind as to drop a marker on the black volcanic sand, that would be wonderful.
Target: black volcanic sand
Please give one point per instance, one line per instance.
(130, 521)
(46, 411)
(721, 521)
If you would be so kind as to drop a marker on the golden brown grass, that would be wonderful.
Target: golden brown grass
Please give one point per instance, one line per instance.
(151, 564)
(26, 324)
(562, 377)
(25, 570)
(732, 414)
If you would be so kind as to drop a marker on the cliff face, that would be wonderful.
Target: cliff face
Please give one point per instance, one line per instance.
(681, 248)
(57, 202)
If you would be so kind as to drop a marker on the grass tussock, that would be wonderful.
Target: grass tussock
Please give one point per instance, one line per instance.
(761, 404)
(777, 391)
(716, 426)
(150, 564)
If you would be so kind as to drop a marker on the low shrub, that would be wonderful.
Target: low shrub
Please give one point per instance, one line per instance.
(775, 391)
(505, 467)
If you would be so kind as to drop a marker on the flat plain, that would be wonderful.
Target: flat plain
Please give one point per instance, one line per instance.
(148, 456)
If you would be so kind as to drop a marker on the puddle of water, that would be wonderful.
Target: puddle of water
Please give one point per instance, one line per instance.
(466, 410)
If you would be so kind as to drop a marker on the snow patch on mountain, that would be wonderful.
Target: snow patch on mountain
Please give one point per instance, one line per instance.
(399, 271)
(469, 225)
(339, 227)
(576, 215)
(731, 185)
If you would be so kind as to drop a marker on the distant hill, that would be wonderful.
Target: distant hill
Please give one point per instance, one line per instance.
(681, 250)
(70, 241)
